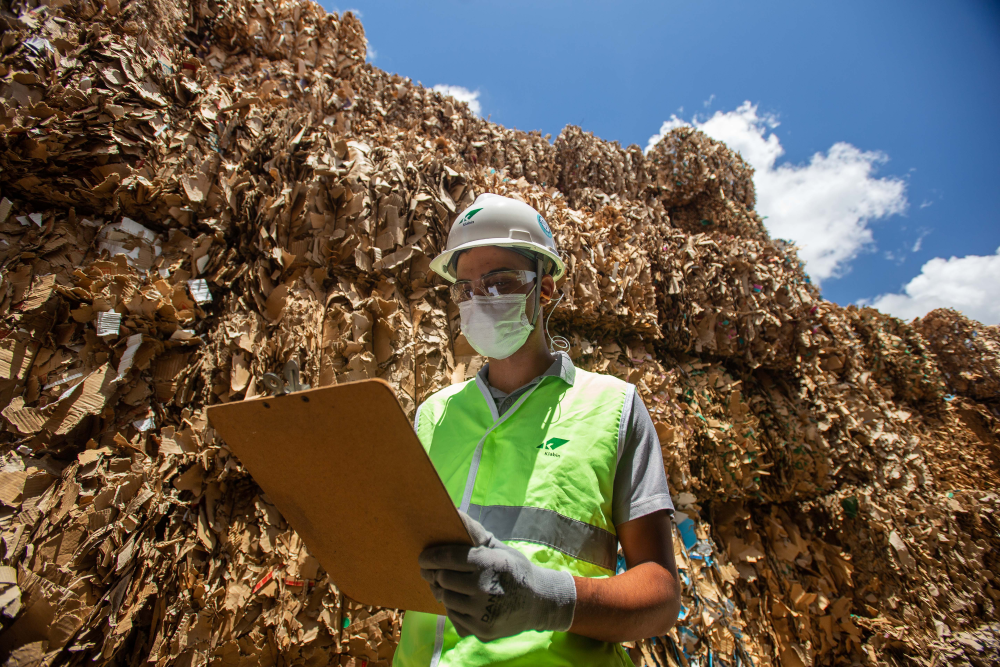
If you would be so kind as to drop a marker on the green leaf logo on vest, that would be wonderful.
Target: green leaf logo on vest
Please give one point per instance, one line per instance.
(552, 444)
(467, 218)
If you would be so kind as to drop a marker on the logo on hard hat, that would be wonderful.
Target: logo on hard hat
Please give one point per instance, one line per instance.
(467, 218)
(544, 226)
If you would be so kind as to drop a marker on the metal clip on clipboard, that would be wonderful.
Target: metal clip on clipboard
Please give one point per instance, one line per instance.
(278, 386)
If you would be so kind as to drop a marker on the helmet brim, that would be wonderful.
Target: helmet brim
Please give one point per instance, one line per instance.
(442, 265)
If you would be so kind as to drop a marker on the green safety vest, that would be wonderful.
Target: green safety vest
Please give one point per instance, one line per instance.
(540, 478)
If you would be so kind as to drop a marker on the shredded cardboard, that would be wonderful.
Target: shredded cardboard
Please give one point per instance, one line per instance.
(193, 194)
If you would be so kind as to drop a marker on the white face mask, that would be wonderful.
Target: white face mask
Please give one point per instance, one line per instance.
(496, 326)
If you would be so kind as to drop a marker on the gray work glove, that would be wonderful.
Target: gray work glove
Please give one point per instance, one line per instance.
(492, 590)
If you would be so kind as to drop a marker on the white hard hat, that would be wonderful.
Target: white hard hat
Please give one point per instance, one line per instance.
(493, 220)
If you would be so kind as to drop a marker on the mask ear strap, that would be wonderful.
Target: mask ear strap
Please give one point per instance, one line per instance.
(538, 291)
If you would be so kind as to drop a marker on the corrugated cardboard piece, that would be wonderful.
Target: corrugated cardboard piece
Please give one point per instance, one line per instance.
(346, 470)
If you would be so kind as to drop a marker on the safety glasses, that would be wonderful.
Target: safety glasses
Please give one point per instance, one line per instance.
(494, 283)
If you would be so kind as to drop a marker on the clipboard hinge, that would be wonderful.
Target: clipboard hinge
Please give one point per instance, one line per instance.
(277, 386)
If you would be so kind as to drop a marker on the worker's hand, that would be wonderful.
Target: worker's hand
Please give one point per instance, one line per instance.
(491, 590)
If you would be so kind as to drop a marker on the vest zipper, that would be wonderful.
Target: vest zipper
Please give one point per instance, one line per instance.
(470, 483)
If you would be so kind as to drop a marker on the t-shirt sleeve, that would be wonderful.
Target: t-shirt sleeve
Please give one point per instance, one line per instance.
(640, 479)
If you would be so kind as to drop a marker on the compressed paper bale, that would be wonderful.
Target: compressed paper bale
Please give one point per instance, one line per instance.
(966, 449)
(587, 162)
(686, 163)
(734, 298)
(898, 357)
(967, 352)
(306, 192)
(709, 212)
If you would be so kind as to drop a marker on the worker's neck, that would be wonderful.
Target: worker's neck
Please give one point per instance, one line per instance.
(520, 368)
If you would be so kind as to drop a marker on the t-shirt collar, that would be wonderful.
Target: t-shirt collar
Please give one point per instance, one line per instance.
(561, 368)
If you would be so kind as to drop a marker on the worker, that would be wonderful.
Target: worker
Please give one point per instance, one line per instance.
(551, 468)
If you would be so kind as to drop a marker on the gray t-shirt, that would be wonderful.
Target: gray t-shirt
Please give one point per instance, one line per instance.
(640, 480)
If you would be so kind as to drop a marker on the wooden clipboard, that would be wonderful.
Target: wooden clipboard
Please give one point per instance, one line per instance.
(346, 470)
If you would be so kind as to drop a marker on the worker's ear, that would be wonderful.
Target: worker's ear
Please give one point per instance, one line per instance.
(548, 288)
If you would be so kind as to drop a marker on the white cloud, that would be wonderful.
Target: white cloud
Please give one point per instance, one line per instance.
(825, 206)
(967, 283)
(897, 258)
(462, 95)
(341, 12)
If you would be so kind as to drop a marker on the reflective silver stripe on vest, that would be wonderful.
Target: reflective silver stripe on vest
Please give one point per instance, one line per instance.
(438, 641)
(535, 524)
(470, 483)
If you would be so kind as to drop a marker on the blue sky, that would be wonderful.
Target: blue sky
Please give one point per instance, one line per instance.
(899, 100)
